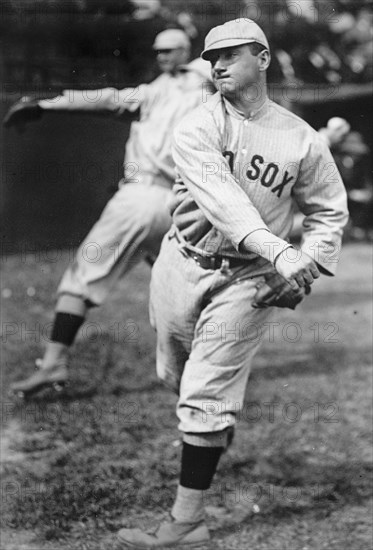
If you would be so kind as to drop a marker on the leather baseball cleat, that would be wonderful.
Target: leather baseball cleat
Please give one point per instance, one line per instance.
(171, 534)
(55, 377)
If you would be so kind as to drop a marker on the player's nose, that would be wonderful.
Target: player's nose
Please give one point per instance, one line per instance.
(218, 64)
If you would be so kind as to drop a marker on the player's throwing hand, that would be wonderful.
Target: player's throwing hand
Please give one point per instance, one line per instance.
(298, 269)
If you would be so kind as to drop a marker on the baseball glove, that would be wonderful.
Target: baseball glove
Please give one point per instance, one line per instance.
(25, 110)
(277, 292)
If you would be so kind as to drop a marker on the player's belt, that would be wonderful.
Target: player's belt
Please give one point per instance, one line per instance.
(208, 261)
(215, 262)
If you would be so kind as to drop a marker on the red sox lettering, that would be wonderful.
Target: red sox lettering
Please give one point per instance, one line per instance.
(265, 173)
(268, 175)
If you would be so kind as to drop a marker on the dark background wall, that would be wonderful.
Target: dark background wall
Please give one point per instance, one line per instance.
(57, 175)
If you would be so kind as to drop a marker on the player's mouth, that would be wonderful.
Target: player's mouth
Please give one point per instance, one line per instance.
(221, 77)
(224, 81)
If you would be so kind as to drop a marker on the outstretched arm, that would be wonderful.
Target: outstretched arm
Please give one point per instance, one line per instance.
(108, 100)
(104, 100)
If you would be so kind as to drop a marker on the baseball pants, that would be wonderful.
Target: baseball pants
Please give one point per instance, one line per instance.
(207, 334)
(130, 228)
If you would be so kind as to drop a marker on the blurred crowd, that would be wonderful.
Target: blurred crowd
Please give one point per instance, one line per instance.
(312, 41)
(55, 44)
(328, 42)
(353, 159)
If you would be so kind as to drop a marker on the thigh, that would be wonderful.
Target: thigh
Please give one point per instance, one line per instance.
(130, 227)
(132, 214)
(158, 218)
(177, 288)
(227, 336)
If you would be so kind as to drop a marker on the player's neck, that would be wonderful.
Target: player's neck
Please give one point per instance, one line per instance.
(251, 99)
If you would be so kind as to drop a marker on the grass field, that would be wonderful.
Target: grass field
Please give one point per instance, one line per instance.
(105, 455)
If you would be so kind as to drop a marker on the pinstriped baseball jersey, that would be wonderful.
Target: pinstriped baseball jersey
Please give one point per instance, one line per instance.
(162, 104)
(237, 175)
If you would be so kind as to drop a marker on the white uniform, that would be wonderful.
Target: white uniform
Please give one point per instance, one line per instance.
(136, 218)
(237, 175)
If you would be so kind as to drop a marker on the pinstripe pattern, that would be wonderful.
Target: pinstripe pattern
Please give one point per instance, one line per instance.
(237, 175)
(277, 157)
(207, 335)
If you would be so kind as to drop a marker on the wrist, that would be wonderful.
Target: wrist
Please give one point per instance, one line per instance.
(265, 244)
(281, 252)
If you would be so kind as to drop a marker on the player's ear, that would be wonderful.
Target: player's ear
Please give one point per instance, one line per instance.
(264, 59)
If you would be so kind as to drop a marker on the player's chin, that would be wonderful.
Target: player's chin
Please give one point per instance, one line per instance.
(226, 87)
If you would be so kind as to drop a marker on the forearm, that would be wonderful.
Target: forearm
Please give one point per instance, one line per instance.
(264, 243)
(108, 100)
(207, 176)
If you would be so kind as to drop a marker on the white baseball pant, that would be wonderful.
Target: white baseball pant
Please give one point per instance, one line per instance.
(130, 228)
(207, 334)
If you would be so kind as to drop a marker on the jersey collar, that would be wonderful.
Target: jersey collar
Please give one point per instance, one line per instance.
(255, 114)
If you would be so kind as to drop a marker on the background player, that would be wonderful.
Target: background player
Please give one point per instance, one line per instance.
(241, 160)
(334, 134)
(135, 220)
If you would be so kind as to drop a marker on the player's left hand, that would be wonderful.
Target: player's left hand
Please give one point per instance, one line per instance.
(27, 109)
(277, 292)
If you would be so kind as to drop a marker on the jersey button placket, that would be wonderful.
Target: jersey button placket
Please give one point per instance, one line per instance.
(246, 124)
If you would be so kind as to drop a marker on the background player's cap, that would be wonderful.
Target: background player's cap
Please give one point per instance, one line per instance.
(200, 66)
(171, 39)
(338, 123)
(233, 33)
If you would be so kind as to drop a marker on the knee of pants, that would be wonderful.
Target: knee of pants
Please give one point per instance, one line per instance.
(211, 417)
(223, 438)
(211, 395)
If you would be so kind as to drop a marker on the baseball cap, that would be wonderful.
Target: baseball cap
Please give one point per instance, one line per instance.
(338, 123)
(170, 39)
(233, 33)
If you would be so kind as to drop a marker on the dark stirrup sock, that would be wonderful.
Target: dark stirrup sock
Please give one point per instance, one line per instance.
(198, 466)
(65, 327)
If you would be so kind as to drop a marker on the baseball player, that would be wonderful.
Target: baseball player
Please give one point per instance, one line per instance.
(334, 134)
(335, 131)
(135, 220)
(241, 161)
